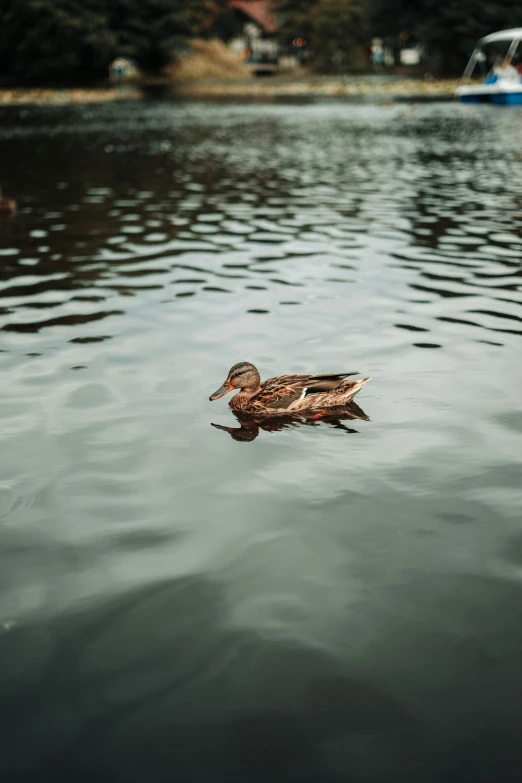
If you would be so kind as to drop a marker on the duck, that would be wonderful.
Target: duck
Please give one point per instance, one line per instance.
(7, 205)
(311, 396)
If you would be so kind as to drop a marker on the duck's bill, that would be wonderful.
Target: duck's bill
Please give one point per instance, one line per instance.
(221, 391)
(225, 429)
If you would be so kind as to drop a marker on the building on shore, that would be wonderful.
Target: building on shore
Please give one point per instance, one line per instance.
(250, 29)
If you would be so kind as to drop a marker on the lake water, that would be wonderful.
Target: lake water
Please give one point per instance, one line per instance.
(320, 604)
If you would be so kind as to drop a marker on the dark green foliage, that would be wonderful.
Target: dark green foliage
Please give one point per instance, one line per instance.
(448, 28)
(151, 31)
(335, 30)
(226, 25)
(62, 39)
(75, 40)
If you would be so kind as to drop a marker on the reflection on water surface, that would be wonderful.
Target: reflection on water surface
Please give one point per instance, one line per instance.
(312, 607)
(249, 426)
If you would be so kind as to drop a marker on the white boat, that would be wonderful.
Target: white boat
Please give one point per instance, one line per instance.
(497, 61)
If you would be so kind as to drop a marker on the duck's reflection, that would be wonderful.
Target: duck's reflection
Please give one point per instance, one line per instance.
(250, 426)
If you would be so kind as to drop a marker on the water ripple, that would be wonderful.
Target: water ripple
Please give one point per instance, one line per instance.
(326, 211)
(311, 590)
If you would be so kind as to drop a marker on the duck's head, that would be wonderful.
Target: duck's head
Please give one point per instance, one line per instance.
(241, 376)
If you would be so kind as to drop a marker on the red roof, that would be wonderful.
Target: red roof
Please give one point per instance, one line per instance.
(259, 11)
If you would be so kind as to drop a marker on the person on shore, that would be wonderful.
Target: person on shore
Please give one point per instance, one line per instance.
(7, 205)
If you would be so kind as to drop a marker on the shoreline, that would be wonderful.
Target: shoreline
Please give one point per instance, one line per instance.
(47, 96)
(367, 88)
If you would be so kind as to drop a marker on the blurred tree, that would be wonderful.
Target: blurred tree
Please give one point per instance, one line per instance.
(74, 40)
(335, 30)
(448, 28)
(221, 21)
(60, 40)
(151, 31)
(226, 26)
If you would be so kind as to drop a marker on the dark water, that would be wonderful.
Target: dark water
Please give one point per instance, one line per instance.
(316, 604)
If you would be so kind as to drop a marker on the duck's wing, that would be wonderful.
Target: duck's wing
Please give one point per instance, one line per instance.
(282, 391)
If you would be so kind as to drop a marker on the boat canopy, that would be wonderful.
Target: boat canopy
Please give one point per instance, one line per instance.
(503, 35)
(501, 67)
(512, 37)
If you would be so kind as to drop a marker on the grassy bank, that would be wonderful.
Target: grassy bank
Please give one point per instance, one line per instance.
(39, 96)
(349, 87)
(346, 86)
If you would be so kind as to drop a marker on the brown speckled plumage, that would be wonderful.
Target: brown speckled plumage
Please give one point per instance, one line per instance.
(300, 395)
